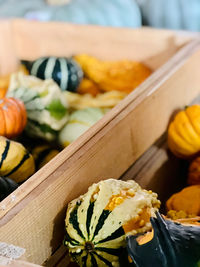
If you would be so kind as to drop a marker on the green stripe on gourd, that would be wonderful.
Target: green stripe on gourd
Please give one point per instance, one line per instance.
(79, 122)
(47, 110)
(97, 222)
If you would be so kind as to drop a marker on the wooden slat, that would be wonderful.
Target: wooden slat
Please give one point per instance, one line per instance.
(8, 57)
(106, 150)
(15, 263)
(35, 39)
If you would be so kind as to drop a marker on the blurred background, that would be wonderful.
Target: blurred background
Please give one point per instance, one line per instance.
(171, 14)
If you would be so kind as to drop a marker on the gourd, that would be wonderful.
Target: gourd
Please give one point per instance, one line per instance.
(88, 87)
(12, 116)
(42, 154)
(187, 200)
(113, 75)
(98, 221)
(79, 122)
(194, 172)
(169, 244)
(104, 100)
(7, 186)
(47, 109)
(173, 14)
(5, 81)
(15, 161)
(184, 132)
(66, 72)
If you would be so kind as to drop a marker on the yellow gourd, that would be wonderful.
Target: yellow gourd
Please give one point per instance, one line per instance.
(15, 161)
(124, 75)
(184, 132)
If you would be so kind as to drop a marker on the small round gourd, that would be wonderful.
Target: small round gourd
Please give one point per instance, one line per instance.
(66, 72)
(184, 132)
(7, 186)
(12, 116)
(15, 161)
(97, 222)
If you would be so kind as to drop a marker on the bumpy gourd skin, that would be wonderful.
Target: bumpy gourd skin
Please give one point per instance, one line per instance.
(184, 132)
(113, 75)
(187, 200)
(97, 222)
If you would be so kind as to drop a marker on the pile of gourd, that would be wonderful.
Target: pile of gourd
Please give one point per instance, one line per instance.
(55, 99)
(184, 142)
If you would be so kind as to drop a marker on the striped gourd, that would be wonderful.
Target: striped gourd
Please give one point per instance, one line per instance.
(79, 122)
(15, 161)
(66, 72)
(98, 222)
(47, 109)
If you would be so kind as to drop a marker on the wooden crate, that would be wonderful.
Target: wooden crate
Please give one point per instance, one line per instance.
(33, 216)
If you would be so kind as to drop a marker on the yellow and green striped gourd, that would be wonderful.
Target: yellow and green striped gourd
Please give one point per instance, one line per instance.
(97, 223)
(15, 161)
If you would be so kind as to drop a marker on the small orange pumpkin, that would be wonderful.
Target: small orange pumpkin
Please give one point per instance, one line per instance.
(13, 117)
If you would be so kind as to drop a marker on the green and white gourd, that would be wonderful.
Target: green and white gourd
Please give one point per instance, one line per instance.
(47, 110)
(97, 223)
(79, 122)
(66, 72)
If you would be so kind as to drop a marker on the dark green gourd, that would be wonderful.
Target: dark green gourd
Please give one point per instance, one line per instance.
(173, 244)
(66, 72)
(7, 186)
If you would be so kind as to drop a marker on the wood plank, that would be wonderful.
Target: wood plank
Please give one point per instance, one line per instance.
(158, 170)
(71, 39)
(110, 147)
(8, 57)
(15, 263)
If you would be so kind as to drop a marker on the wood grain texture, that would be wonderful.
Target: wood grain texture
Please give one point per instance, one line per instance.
(35, 39)
(15, 263)
(8, 57)
(34, 219)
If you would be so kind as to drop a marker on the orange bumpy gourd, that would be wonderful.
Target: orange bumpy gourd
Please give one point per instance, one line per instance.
(184, 132)
(121, 75)
(12, 116)
(187, 200)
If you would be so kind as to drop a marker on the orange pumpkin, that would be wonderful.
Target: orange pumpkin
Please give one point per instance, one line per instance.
(12, 117)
